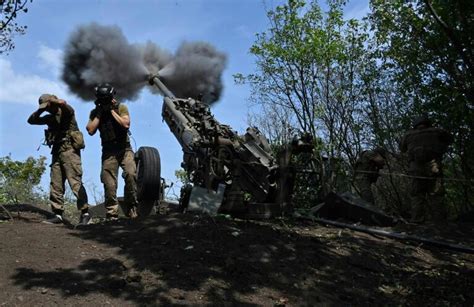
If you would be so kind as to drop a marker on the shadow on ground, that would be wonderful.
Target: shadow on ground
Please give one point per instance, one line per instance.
(186, 259)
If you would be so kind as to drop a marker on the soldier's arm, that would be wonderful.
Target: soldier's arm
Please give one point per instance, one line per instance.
(36, 118)
(122, 116)
(93, 124)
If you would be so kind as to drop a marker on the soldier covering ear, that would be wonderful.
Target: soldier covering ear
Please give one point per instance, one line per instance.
(66, 141)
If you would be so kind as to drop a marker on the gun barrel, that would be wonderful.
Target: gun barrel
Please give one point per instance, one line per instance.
(155, 80)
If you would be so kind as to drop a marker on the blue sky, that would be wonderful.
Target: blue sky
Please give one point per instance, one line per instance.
(34, 67)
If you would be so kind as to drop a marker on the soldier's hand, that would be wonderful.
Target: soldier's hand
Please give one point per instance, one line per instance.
(106, 108)
(42, 108)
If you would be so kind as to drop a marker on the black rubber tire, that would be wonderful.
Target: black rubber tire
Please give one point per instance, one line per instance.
(148, 173)
(147, 207)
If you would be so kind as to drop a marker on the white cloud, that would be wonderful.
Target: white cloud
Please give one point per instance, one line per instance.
(25, 88)
(51, 59)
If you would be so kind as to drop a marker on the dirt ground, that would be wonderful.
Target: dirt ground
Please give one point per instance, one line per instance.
(183, 259)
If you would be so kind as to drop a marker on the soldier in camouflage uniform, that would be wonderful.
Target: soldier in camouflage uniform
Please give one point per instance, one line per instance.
(112, 120)
(425, 146)
(66, 141)
(367, 171)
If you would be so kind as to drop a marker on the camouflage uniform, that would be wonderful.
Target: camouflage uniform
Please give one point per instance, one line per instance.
(66, 160)
(425, 146)
(366, 172)
(116, 151)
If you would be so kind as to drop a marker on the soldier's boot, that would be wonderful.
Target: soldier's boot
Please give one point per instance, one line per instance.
(85, 219)
(132, 212)
(112, 213)
(56, 219)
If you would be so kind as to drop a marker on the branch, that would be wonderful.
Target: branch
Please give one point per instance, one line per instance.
(7, 212)
(13, 13)
(450, 33)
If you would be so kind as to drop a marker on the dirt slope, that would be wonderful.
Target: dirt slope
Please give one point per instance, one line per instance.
(185, 259)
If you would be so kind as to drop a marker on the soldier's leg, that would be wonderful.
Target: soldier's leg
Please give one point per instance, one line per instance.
(364, 188)
(417, 202)
(436, 202)
(418, 198)
(108, 177)
(71, 163)
(418, 193)
(129, 175)
(56, 187)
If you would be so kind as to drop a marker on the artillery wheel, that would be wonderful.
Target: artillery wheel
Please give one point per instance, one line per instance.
(148, 176)
(147, 207)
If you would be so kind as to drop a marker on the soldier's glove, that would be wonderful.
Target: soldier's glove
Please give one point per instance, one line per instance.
(106, 108)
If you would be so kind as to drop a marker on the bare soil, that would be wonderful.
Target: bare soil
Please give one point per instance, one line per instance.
(183, 259)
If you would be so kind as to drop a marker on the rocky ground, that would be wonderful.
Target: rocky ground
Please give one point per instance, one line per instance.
(185, 259)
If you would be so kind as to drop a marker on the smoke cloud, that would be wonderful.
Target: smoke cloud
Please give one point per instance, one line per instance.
(195, 70)
(96, 54)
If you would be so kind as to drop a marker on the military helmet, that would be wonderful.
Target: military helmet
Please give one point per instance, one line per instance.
(422, 120)
(104, 91)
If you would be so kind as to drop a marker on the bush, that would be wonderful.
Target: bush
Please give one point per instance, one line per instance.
(19, 180)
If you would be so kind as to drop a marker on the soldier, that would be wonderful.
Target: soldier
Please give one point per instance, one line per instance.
(112, 120)
(367, 171)
(66, 141)
(425, 146)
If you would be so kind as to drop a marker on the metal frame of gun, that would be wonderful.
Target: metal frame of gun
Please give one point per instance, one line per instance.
(214, 156)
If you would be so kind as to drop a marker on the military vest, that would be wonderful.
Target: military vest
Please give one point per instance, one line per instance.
(58, 134)
(113, 136)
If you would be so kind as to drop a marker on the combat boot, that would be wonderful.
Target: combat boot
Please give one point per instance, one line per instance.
(111, 218)
(56, 219)
(133, 212)
(85, 219)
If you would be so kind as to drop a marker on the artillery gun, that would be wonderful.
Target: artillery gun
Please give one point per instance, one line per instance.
(228, 173)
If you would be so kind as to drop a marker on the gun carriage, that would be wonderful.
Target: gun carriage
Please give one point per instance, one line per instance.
(228, 173)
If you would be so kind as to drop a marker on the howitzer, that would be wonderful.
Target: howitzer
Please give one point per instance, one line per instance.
(228, 173)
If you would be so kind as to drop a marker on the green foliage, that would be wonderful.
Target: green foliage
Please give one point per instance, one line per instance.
(182, 176)
(310, 66)
(425, 49)
(427, 46)
(358, 84)
(19, 179)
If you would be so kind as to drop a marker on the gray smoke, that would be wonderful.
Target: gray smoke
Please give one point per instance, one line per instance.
(96, 54)
(154, 58)
(195, 71)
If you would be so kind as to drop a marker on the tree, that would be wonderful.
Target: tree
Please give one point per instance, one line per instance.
(309, 71)
(426, 48)
(19, 179)
(9, 27)
(355, 87)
